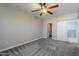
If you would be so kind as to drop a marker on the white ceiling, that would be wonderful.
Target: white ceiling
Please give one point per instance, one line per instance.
(63, 8)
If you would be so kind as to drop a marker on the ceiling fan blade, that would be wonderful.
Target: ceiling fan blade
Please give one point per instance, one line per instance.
(52, 6)
(40, 5)
(49, 12)
(40, 14)
(44, 3)
(35, 10)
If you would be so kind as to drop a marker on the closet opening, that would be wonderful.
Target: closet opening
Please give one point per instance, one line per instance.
(49, 29)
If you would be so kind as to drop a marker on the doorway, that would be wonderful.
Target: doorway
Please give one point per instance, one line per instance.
(49, 29)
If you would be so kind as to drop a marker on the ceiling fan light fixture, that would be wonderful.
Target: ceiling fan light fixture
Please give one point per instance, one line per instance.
(44, 10)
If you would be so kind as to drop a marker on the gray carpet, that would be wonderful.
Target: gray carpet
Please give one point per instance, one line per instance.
(60, 48)
(44, 47)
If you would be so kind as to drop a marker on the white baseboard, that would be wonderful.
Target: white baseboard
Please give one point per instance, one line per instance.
(18, 45)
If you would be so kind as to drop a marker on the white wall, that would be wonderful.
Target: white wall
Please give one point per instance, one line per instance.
(54, 21)
(17, 27)
(62, 31)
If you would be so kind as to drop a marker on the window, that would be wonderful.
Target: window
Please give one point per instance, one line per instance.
(71, 30)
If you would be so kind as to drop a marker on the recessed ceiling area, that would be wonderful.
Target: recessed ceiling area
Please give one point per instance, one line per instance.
(64, 8)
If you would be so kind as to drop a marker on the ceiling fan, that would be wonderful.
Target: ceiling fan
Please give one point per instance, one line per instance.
(45, 8)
